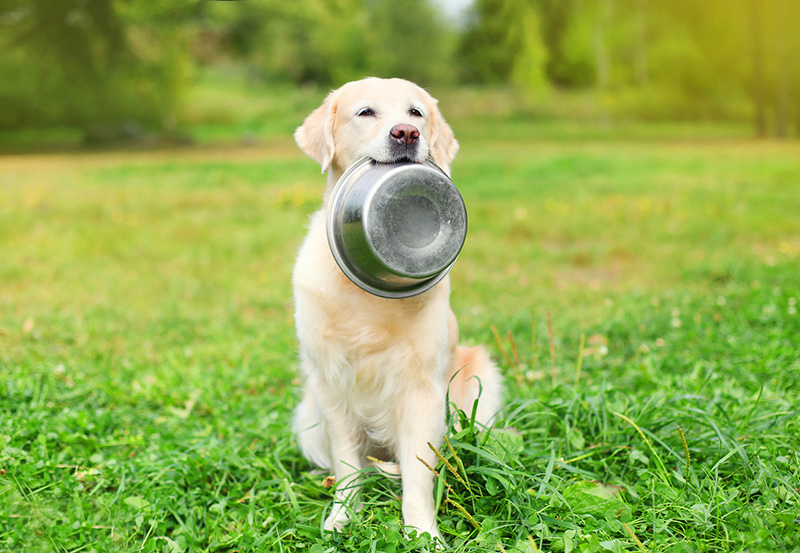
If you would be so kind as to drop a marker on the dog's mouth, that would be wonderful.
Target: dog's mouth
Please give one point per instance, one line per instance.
(401, 152)
(403, 159)
(411, 155)
(395, 159)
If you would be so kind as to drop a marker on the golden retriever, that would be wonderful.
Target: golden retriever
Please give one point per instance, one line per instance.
(377, 370)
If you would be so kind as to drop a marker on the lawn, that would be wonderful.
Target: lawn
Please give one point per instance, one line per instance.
(643, 286)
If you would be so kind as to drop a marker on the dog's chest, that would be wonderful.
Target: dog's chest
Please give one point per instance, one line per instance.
(360, 345)
(378, 352)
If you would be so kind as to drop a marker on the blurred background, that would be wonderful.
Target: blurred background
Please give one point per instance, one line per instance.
(77, 72)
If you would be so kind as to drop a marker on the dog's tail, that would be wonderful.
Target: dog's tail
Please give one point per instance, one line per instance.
(475, 377)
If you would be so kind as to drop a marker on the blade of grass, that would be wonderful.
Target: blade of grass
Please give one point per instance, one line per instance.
(685, 450)
(447, 464)
(458, 462)
(580, 358)
(636, 540)
(517, 363)
(552, 349)
(533, 340)
(501, 346)
(659, 463)
(548, 472)
(464, 513)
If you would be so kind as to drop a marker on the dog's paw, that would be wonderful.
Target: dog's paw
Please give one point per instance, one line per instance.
(338, 518)
(437, 541)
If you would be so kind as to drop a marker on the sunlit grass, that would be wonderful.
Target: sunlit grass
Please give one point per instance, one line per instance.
(148, 358)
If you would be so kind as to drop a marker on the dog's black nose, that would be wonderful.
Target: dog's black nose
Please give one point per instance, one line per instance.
(405, 134)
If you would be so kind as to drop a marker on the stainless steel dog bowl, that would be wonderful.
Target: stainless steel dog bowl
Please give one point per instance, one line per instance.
(395, 230)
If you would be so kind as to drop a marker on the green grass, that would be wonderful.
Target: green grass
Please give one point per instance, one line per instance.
(148, 358)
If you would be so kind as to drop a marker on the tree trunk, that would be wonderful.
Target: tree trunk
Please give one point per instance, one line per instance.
(782, 106)
(602, 59)
(641, 69)
(759, 97)
(601, 54)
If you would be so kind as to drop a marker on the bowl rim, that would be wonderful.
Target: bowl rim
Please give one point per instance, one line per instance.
(343, 262)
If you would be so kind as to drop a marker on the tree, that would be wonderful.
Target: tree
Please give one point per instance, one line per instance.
(327, 42)
(82, 63)
(744, 46)
(502, 43)
(409, 39)
(569, 61)
(524, 40)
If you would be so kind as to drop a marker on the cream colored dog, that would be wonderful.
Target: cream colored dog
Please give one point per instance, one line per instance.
(377, 370)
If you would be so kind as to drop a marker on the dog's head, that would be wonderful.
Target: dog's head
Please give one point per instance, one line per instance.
(388, 120)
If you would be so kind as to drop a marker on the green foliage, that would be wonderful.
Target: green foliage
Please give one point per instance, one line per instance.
(568, 41)
(409, 40)
(117, 69)
(523, 39)
(502, 44)
(700, 59)
(87, 64)
(333, 41)
(482, 46)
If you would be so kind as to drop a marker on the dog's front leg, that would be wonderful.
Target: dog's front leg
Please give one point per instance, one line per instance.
(346, 461)
(422, 422)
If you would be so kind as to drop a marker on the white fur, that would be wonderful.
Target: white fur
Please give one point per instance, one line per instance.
(377, 370)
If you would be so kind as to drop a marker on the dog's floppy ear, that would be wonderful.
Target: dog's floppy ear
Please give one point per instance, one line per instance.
(315, 135)
(443, 145)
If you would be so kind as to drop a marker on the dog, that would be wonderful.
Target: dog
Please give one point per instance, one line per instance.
(377, 371)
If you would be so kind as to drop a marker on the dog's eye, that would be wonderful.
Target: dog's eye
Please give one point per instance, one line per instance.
(414, 112)
(366, 112)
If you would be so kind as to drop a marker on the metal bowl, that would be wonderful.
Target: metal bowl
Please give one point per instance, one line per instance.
(396, 229)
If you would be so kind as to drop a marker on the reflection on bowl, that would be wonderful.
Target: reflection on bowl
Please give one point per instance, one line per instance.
(395, 230)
